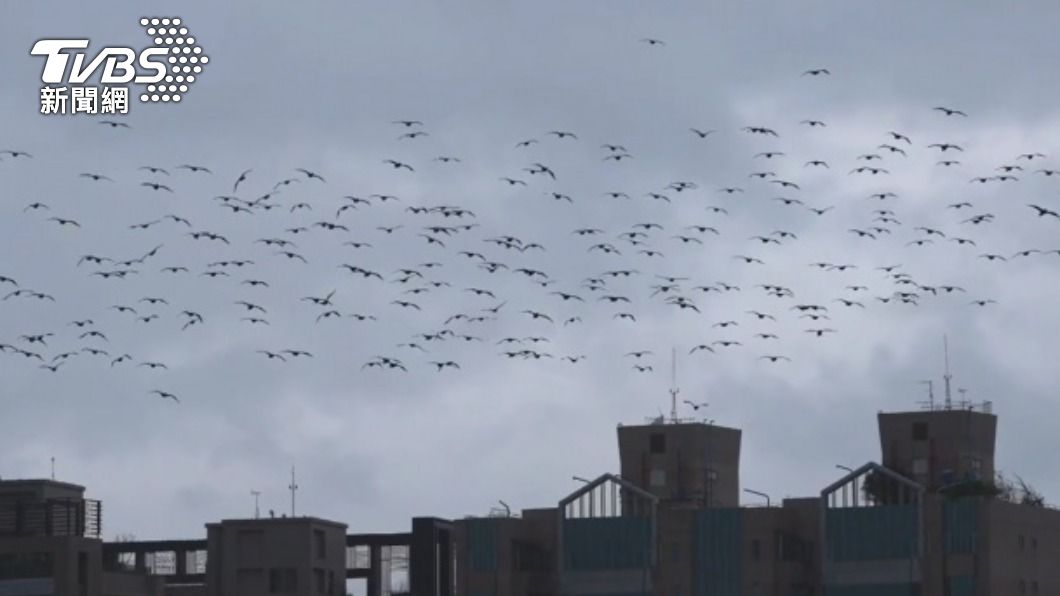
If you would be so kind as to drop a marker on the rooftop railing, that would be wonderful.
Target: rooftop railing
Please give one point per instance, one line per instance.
(52, 517)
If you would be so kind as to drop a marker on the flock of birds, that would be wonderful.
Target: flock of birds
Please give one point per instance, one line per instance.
(497, 276)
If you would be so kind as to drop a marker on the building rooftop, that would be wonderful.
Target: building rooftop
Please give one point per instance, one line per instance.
(37, 482)
(302, 519)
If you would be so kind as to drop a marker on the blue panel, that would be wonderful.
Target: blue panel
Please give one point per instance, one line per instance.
(606, 543)
(719, 547)
(962, 585)
(962, 524)
(872, 533)
(483, 537)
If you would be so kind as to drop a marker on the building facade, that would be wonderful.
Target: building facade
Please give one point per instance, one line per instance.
(925, 521)
(50, 544)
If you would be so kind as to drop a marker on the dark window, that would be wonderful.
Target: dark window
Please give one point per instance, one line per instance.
(756, 550)
(319, 544)
(1023, 541)
(318, 579)
(920, 431)
(283, 580)
(82, 572)
(25, 565)
(658, 443)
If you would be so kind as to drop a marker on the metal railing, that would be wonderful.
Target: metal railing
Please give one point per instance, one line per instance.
(52, 517)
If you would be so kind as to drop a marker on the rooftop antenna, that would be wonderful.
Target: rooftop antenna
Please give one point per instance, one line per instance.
(257, 511)
(947, 377)
(293, 488)
(53, 467)
(931, 394)
(673, 385)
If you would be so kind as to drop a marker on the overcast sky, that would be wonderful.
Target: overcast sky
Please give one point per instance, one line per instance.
(317, 86)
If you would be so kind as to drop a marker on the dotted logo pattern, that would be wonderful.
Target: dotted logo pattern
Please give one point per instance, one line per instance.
(185, 59)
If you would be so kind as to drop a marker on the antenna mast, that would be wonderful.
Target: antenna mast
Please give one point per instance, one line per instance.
(931, 394)
(673, 385)
(293, 487)
(947, 377)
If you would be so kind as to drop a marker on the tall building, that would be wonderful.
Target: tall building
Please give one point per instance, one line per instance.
(290, 555)
(686, 463)
(50, 544)
(937, 448)
(929, 520)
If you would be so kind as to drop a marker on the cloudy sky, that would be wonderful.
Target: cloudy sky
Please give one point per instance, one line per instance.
(318, 87)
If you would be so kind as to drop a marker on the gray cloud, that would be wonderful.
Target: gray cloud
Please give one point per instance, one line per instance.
(317, 87)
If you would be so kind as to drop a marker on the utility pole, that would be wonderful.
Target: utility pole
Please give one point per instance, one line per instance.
(257, 511)
(53, 467)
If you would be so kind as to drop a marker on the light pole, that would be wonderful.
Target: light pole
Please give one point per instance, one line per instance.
(257, 511)
(580, 479)
(842, 467)
(760, 494)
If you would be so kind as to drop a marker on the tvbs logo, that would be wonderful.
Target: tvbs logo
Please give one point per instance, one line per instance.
(165, 70)
(119, 64)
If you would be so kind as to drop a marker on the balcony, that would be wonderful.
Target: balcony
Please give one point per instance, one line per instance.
(52, 517)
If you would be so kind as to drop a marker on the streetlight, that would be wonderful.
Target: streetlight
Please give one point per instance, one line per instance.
(580, 479)
(842, 467)
(760, 494)
(257, 511)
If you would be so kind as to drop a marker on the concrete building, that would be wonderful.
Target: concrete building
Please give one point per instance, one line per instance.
(50, 545)
(296, 555)
(239, 556)
(927, 521)
(930, 519)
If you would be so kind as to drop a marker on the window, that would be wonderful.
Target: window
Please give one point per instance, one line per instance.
(920, 467)
(358, 557)
(1022, 542)
(1023, 587)
(658, 443)
(1034, 587)
(25, 565)
(920, 431)
(283, 580)
(318, 581)
(658, 478)
(1034, 544)
(319, 544)
(756, 549)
